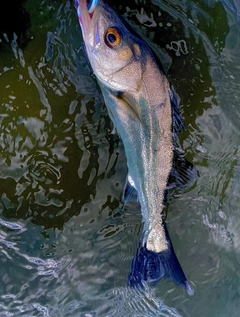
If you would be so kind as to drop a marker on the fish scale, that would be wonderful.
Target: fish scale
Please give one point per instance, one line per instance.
(145, 111)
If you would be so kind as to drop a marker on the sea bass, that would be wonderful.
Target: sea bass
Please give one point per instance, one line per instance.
(144, 109)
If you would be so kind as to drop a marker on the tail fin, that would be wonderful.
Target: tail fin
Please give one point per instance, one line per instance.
(152, 267)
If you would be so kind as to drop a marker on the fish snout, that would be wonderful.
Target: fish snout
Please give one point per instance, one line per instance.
(85, 12)
(91, 6)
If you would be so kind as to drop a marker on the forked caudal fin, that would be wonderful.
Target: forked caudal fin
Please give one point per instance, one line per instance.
(152, 267)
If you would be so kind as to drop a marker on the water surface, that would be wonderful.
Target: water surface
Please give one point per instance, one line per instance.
(66, 241)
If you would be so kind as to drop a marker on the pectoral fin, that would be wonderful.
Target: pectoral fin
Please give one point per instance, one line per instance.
(127, 101)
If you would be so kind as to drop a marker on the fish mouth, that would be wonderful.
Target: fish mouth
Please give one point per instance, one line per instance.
(85, 11)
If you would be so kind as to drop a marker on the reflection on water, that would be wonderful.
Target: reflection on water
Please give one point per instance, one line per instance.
(66, 241)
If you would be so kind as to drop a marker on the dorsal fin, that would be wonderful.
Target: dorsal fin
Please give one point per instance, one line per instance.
(183, 174)
(177, 122)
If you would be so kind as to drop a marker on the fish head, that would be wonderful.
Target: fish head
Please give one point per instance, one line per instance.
(116, 54)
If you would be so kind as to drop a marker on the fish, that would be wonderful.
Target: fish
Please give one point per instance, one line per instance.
(144, 109)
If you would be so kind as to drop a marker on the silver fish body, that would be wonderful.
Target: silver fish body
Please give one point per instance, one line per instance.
(140, 102)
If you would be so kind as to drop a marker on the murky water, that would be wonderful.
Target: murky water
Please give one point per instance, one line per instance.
(66, 243)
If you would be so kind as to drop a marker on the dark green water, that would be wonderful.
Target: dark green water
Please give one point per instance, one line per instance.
(66, 244)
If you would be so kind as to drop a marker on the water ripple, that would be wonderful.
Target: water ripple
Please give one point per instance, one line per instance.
(66, 242)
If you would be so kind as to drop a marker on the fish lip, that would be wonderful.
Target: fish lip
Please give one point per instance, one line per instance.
(92, 6)
(85, 13)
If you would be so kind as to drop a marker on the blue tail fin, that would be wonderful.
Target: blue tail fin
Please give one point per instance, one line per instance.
(152, 267)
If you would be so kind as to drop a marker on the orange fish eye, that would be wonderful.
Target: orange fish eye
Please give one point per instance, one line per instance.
(113, 37)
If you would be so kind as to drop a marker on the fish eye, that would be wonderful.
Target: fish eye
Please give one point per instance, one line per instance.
(113, 37)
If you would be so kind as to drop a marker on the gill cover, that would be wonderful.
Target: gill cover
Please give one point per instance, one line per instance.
(117, 56)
